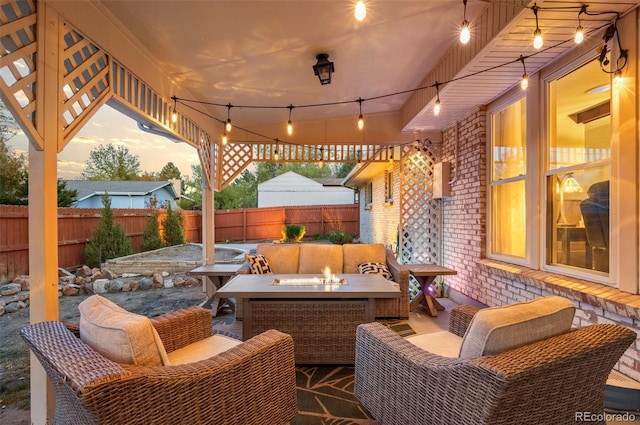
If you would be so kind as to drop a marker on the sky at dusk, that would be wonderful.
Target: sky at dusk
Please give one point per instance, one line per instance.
(110, 126)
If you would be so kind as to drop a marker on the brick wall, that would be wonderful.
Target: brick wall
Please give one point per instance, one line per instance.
(495, 283)
(379, 224)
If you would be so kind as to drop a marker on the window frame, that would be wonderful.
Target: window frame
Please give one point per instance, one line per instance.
(388, 187)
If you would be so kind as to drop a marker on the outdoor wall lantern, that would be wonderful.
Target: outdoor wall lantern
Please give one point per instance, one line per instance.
(323, 68)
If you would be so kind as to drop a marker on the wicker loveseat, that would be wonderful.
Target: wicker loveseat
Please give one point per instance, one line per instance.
(313, 257)
(548, 381)
(251, 383)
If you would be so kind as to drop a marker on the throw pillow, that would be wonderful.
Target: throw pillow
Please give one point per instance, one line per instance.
(375, 268)
(119, 335)
(497, 329)
(258, 264)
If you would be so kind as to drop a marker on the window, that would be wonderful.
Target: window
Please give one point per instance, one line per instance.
(368, 195)
(578, 170)
(507, 185)
(388, 186)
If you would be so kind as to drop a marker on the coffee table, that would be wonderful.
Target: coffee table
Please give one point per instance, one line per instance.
(322, 319)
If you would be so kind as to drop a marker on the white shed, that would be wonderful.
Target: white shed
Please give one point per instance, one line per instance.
(293, 189)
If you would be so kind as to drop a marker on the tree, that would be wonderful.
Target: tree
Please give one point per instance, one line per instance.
(66, 197)
(151, 238)
(172, 228)
(14, 176)
(344, 169)
(108, 240)
(111, 163)
(170, 171)
(192, 199)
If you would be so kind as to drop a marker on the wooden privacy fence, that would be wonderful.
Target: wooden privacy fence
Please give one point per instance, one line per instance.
(76, 227)
(255, 224)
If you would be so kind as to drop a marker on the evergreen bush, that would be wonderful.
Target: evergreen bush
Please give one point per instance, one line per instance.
(293, 232)
(151, 238)
(172, 229)
(109, 240)
(339, 237)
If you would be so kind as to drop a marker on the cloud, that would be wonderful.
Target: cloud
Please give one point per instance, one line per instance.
(87, 140)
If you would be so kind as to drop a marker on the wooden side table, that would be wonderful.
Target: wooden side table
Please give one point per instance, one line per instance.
(216, 276)
(425, 274)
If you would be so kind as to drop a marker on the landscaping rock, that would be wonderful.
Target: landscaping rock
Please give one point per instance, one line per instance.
(63, 272)
(84, 271)
(192, 281)
(101, 286)
(130, 275)
(96, 275)
(66, 280)
(23, 281)
(179, 282)
(87, 288)
(168, 283)
(12, 307)
(71, 290)
(9, 289)
(1, 310)
(146, 283)
(158, 279)
(115, 286)
(108, 274)
(147, 273)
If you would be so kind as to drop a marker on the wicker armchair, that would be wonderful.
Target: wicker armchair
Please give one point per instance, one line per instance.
(251, 383)
(545, 382)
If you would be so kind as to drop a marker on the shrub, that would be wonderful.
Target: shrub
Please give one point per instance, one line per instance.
(293, 232)
(172, 228)
(339, 237)
(151, 238)
(109, 240)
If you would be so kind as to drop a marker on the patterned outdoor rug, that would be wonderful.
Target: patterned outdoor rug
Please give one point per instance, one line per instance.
(325, 393)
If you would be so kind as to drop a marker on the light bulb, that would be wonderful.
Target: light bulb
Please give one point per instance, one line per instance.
(289, 128)
(174, 117)
(228, 125)
(360, 122)
(436, 108)
(224, 139)
(524, 83)
(320, 164)
(465, 33)
(537, 38)
(276, 155)
(361, 10)
(617, 77)
(579, 35)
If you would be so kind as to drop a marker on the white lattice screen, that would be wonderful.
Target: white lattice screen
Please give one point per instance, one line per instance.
(420, 233)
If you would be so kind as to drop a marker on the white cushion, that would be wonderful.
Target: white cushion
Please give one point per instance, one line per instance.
(442, 343)
(119, 335)
(202, 349)
(498, 329)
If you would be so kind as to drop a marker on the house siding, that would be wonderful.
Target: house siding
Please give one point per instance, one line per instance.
(379, 221)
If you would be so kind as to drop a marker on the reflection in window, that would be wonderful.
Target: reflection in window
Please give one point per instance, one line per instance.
(578, 170)
(508, 169)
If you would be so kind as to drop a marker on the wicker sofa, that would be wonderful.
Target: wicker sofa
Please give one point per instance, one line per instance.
(542, 382)
(313, 257)
(251, 383)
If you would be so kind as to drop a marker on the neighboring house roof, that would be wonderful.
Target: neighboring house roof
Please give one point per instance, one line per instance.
(89, 188)
(329, 181)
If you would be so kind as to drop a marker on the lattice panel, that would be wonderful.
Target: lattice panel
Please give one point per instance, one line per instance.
(234, 158)
(85, 81)
(18, 60)
(420, 214)
(204, 152)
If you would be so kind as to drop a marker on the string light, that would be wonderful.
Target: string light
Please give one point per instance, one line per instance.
(537, 34)
(524, 83)
(360, 10)
(228, 125)
(276, 155)
(436, 107)
(225, 138)
(289, 123)
(174, 114)
(321, 163)
(611, 33)
(579, 37)
(360, 117)
(465, 32)
(391, 154)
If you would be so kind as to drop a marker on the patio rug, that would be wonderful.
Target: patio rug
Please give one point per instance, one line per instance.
(325, 392)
